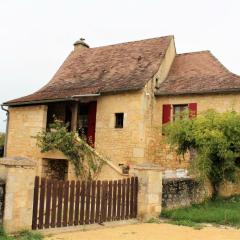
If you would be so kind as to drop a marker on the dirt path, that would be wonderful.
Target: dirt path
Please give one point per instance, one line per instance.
(151, 232)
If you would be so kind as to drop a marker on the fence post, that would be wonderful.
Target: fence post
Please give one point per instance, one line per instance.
(19, 174)
(149, 190)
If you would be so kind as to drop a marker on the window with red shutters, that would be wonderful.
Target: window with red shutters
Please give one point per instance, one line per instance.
(178, 111)
(192, 110)
(166, 113)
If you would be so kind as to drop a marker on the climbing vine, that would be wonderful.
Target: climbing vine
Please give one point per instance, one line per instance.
(87, 164)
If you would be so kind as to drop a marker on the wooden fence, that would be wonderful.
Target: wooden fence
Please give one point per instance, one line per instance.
(63, 203)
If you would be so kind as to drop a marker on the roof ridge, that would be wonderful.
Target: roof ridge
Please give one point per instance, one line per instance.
(135, 41)
(195, 52)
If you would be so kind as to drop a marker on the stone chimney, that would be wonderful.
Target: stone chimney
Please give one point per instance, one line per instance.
(80, 44)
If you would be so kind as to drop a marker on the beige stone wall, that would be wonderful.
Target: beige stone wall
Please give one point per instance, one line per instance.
(150, 103)
(159, 151)
(19, 175)
(127, 144)
(228, 189)
(166, 64)
(149, 191)
(24, 124)
(130, 144)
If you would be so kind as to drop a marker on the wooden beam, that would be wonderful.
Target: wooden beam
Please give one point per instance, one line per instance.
(74, 117)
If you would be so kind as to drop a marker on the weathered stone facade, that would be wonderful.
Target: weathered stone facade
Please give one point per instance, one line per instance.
(181, 192)
(24, 124)
(160, 151)
(18, 174)
(149, 190)
(139, 141)
(127, 144)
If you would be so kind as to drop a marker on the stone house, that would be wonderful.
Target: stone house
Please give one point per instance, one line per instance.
(119, 96)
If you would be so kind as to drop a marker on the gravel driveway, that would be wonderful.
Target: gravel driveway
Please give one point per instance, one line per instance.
(150, 231)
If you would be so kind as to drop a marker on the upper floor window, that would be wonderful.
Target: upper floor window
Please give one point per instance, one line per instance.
(119, 117)
(180, 111)
(172, 112)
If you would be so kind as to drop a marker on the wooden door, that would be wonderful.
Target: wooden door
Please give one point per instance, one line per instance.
(92, 110)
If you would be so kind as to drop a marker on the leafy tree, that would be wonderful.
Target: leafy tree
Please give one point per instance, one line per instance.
(86, 162)
(215, 137)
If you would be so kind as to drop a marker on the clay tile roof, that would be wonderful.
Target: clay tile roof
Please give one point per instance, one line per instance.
(114, 68)
(198, 73)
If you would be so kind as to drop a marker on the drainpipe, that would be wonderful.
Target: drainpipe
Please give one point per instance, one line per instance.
(6, 137)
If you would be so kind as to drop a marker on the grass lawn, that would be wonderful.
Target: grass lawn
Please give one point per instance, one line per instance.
(221, 211)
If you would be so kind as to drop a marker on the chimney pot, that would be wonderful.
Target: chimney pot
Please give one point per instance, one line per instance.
(80, 44)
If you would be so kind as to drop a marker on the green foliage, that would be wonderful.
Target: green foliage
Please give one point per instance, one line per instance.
(215, 137)
(187, 223)
(23, 235)
(219, 211)
(87, 163)
(153, 220)
(2, 139)
(27, 235)
(2, 233)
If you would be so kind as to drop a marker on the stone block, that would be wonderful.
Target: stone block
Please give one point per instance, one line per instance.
(150, 190)
(20, 174)
(138, 152)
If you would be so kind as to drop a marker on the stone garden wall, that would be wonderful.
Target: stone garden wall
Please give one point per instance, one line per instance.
(184, 191)
(181, 192)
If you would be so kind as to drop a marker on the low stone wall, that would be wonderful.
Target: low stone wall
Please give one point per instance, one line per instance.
(181, 192)
(19, 174)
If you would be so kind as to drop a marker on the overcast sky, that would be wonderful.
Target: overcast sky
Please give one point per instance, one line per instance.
(36, 36)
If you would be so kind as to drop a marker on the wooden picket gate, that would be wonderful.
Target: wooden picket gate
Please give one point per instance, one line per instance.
(63, 203)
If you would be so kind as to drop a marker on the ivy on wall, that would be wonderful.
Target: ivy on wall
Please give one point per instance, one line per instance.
(87, 164)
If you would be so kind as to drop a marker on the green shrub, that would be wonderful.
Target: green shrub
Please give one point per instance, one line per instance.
(215, 137)
(87, 164)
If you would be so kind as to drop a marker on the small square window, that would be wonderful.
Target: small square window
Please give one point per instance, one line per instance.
(119, 120)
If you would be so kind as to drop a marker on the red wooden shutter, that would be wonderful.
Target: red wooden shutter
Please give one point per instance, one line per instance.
(192, 107)
(166, 113)
(92, 109)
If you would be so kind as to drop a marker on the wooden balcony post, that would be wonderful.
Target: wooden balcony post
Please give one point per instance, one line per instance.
(74, 116)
